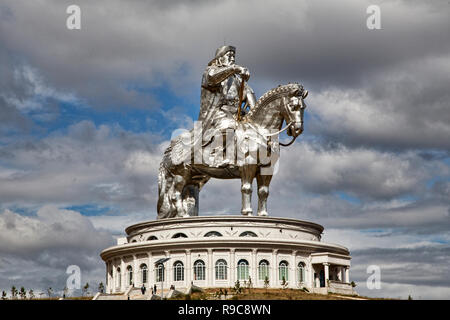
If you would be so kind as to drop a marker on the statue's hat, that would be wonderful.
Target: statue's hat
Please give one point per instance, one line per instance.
(221, 51)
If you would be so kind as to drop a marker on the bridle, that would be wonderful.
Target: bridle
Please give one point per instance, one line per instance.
(288, 124)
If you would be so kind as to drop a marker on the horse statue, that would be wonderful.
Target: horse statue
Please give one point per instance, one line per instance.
(249, 152)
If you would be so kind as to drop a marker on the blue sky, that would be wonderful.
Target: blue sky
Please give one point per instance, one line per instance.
(86, 115)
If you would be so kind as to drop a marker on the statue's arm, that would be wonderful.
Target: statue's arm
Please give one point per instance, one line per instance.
(250, 96)
(215, 75)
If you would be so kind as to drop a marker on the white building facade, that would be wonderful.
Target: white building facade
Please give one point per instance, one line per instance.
(216, 251)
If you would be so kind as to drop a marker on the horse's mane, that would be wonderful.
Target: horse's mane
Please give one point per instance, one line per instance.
(272, 95)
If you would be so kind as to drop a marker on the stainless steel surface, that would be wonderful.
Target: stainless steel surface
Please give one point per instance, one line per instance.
(225, 147)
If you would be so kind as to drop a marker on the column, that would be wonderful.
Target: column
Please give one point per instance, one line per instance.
(254, 268)
(274, 269)
(209, 268)
(232, 267)
(188, 268)
(110, 277)
(113, 284)
(135, 272)
(347, 274)
(310, 274)
(122, 273)
(293, 270)
(327, 273)
(107, 276)
(167, 271)
(150, 272)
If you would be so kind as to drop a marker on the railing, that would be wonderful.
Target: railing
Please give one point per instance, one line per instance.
(340, 284)
(340, 287)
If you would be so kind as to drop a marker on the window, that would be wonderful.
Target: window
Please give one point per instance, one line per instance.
(119, 278)
(248, 234)
(283, 271)
(242, 270)
(263, 270)
(199, 270)
(301, 272)
(178, 271)
(159, 272)
(213, 234)
(179, 235)
(130, 275)
(143, 273)
(221, 270)
(152, 238)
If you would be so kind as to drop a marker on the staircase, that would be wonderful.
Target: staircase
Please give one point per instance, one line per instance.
(133, 293)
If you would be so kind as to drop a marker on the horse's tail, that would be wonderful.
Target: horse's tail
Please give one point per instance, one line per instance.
(165, 206)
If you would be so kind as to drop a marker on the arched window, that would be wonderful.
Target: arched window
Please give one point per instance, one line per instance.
(143, 273)
(199, 270)
(301, 272)
(213, 234)
(263, 270)
(283, 269)
(159, 270)
(118, 278)
(178, 271)
(242, 269)
(179, 235)
(130, 275)
(221, 270)
(248, 234)
(152, 238)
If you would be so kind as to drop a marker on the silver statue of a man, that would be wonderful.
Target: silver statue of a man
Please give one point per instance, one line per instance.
(221, 85)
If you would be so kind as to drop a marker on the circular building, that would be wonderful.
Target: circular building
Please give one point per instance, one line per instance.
(217, 251)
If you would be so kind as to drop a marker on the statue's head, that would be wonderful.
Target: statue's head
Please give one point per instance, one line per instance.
(225, 56)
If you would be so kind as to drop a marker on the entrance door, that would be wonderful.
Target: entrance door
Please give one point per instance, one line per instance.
(322, 278)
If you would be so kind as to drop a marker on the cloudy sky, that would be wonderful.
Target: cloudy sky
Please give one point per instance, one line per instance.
(86, 114)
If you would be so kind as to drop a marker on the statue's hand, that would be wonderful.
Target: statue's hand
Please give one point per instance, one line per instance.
(243, 72)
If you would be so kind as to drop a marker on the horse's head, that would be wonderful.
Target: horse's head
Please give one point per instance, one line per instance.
(294, 106)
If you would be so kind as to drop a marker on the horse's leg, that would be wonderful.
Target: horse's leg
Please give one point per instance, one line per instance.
(263, 182)
(177, 196)
(190, 199)
(247, 175)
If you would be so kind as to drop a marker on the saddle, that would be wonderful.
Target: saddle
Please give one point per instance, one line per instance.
(245, 145)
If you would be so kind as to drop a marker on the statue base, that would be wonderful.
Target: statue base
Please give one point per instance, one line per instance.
(217, 251)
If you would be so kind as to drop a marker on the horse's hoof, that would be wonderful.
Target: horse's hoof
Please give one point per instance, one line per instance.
(247, 212)
(263, 214)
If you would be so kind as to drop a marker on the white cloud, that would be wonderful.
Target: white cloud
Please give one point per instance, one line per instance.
(362, 172)
(369, 91)
(101, 164)
(36, 250)
(50, 228)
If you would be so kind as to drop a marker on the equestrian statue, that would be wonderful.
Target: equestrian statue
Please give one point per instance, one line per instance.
(235, 137)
